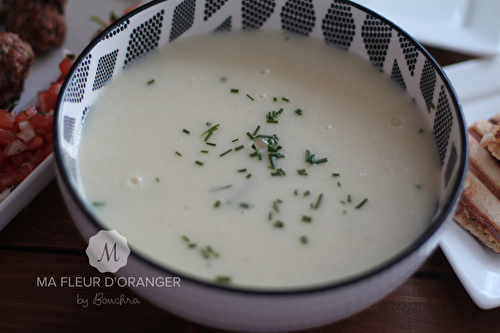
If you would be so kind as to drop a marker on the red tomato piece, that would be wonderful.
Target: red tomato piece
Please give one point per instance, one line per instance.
(6, 119)
(65, 64)
(35, 143)
(24, 115)
(15, 177)
(41, 122)
(6, 136)
(48, 98)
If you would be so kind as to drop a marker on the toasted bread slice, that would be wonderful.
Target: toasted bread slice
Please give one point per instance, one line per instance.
(479, 207)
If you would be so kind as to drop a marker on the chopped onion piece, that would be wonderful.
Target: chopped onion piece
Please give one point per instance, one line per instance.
(15, 147)
(27, 133)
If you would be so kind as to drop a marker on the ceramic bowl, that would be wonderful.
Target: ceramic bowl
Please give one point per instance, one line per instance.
(342, 24)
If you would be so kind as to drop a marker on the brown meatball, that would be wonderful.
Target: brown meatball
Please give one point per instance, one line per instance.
(16, 58)
(40, 22)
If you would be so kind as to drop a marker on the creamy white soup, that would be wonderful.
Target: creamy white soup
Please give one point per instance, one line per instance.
(259, 159)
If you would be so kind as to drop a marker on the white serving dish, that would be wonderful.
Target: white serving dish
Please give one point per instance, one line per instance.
(478, 267)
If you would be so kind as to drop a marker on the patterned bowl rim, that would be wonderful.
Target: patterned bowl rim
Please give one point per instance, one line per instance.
(437, 221)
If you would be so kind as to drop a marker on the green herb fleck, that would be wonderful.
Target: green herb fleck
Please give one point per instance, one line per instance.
(296, 192)
(256, 130)
(199, 162)
(222, 279)
(250, 97)
(250, 136)
(95, 203)
(335, 174)
(242, 170)
(217, 204)
(285, 99)
(150, 82)
(278, 224)
(234, 140)
(306, 219)
(157, 179)
(235, 91)
(361, 203)
(306, 193)
(11, 108)
(178, 153)
(239, 147)
(275, 99)
(204, 151)
(224, 153)
(244, 205)
(349, 198)
(318, 201)
(211, 144)
(223, 79)
(339, 184)
(302, 172)
(186, 131)
(249, 175)
(303, 239)
(299, 112)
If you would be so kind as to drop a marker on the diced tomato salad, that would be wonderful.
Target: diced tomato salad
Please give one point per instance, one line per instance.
(26, 138)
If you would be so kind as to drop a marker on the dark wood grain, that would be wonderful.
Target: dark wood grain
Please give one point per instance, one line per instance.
(42, 241)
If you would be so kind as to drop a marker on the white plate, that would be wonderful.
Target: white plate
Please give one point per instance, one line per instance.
(478, 268)
(46, 70)
(467, 26)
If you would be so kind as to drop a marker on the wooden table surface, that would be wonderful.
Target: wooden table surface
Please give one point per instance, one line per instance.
(42, 241)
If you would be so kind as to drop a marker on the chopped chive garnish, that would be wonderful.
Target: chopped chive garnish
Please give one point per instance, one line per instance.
(235, 91)
(275, 99)
(278, 224)
(234, 140)
(306, 193)
(312, 160)
(95, 203)
(208, 124)
(223, 187)
(204, 151)
(11, 108)
(270, 216)
(275, 206)
(296, 192)
(223, 279)
(192, 245)
(250, 136)
(242, 170)
(306, 218)
(249, 175)
(316, 206)
(271, 121)
(255, 153)
(271, 161)
(361, 203)
(308, 155)
(302, 172)
(178, 153)
(217, 203)
(323, 160)
(256, 130)
(339, 184)
(224, 153)
(342, 202)
(223, 79)
(299, 112)
(421, 130)
(186, 131)
(303, 239)
(285, 99)
(211, 144)
(349, 198)
(205, 253)
(250, 97)
(208, 136)
(157, 179)
(185, 238)
(199, 162)
(244, 205)
(150, 82)
(239, 147)
(335, 174)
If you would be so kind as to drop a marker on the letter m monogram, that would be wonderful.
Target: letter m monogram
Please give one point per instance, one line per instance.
(108, 254)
